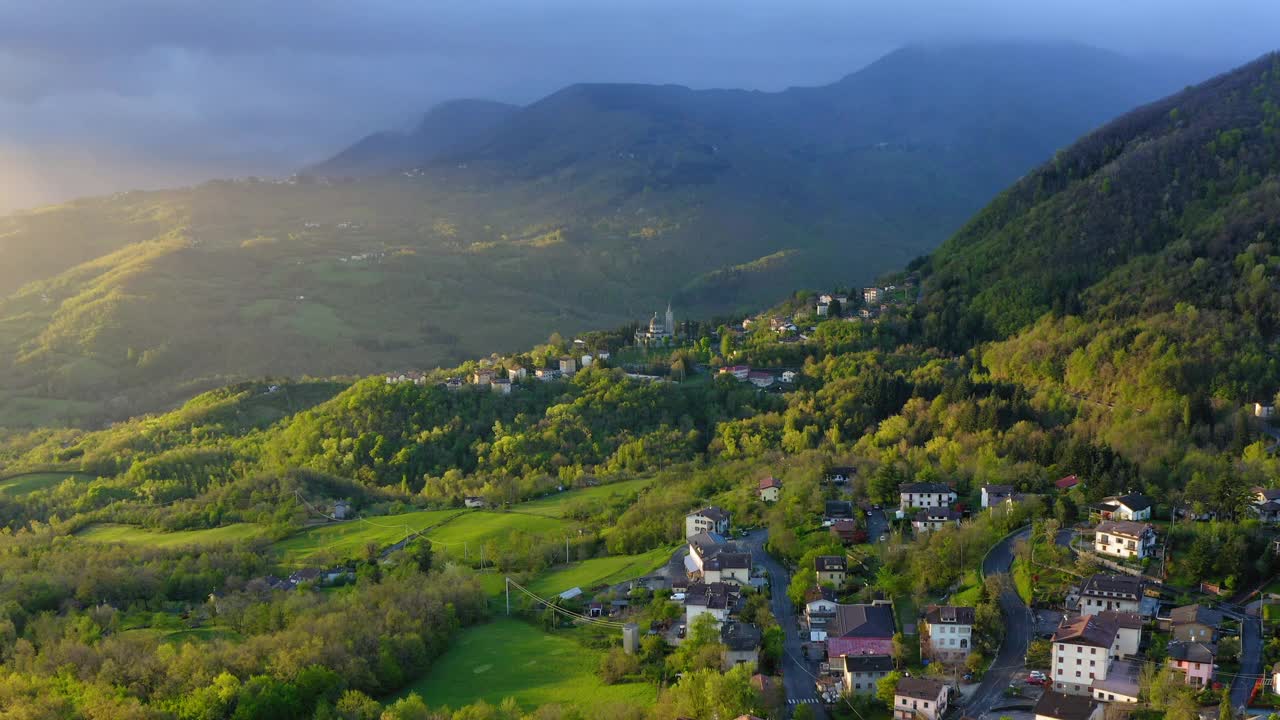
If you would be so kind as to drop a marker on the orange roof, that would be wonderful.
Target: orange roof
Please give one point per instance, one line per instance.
(770, 482)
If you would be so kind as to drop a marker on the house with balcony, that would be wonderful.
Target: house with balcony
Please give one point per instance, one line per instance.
(1124, 539)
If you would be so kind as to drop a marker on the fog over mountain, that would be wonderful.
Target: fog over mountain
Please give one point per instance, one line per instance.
(100, 96)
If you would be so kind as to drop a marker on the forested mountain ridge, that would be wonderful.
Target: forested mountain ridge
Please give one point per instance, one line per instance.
(590, 208)
(1138, 268)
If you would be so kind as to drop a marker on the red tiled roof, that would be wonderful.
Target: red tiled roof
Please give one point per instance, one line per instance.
(1069, 481)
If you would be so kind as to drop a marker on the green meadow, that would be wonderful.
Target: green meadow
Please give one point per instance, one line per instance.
(29, 482)
(599, 571)
(132, 535)
(509, 658)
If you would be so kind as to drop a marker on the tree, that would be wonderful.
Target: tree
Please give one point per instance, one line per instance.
(421, 553)
(887, 686)
(1224, 706)
(803, 712)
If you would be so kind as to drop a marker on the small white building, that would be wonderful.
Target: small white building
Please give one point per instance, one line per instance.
(473, 501)
(502, 386)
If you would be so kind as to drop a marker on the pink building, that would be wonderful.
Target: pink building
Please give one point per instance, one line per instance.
(1195, 659)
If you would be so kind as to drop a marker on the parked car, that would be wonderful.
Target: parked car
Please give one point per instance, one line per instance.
(677, 597)
(1037, 675)
(680, 631)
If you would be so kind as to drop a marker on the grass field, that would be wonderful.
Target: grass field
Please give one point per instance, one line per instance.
(510, 658)
(348, 539)
(970, 592)
(478, 527)
(28, 482)
(599, 571)
(554, 505)
(132, 535)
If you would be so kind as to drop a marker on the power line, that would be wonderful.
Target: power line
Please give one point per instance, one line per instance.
(563, 611)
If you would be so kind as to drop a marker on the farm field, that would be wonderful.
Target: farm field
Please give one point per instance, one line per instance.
(29, 482)
(510, 658)
(599, 571)
(133, 535)
(349, 539)
(554, 505)
(475, 528)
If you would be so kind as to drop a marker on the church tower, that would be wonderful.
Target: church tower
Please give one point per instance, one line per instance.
(671, 321)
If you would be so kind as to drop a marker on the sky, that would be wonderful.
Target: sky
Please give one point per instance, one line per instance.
(104, 95)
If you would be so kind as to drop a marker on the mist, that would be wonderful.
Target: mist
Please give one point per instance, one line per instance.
(111, 95)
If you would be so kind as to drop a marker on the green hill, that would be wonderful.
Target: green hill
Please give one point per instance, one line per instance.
(1139, 267)
(590, 208)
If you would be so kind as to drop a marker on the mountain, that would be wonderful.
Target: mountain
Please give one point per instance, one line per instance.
(445, 127)
(589, 208)
(1138, 268)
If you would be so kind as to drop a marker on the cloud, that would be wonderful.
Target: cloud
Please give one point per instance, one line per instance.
(187, 89)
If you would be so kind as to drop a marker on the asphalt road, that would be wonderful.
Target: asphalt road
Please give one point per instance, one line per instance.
(1250, 660)
(1011, 658)
(797, 673)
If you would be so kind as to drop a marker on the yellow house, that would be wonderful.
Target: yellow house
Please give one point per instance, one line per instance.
(831, 569)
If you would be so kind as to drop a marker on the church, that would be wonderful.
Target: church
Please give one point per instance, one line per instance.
(658, 331)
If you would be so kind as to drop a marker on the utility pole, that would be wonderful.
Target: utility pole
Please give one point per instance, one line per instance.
(566, 550)
(508, 583)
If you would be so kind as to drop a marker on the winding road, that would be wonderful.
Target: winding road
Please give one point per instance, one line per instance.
(1012, 655)
(797, 673)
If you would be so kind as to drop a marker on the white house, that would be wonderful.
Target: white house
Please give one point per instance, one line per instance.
(1084, 647)
(502, 386)
(568, 366)
(1124, 539)
(935, 519)
(948, 635)
(473, 501)
(789, 376)
(1134, 507)
(1121, 593)
(770, 489)
(871, 295)
(993, 495)
(925, 495)
(716, 599)
(919, 699)
(709, 519)
(862, 673)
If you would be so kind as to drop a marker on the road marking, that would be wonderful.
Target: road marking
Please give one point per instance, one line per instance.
(803, 701)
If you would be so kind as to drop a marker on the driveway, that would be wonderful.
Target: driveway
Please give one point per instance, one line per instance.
(798, 674)
(1010, 660)
(877, 525)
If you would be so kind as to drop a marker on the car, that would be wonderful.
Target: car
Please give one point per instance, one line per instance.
(676, 597)
(884, 538)
(1037, 675)
(680, 631)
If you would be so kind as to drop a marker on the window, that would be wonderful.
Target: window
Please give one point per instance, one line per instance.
(1093, 651)
(1077, 675)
